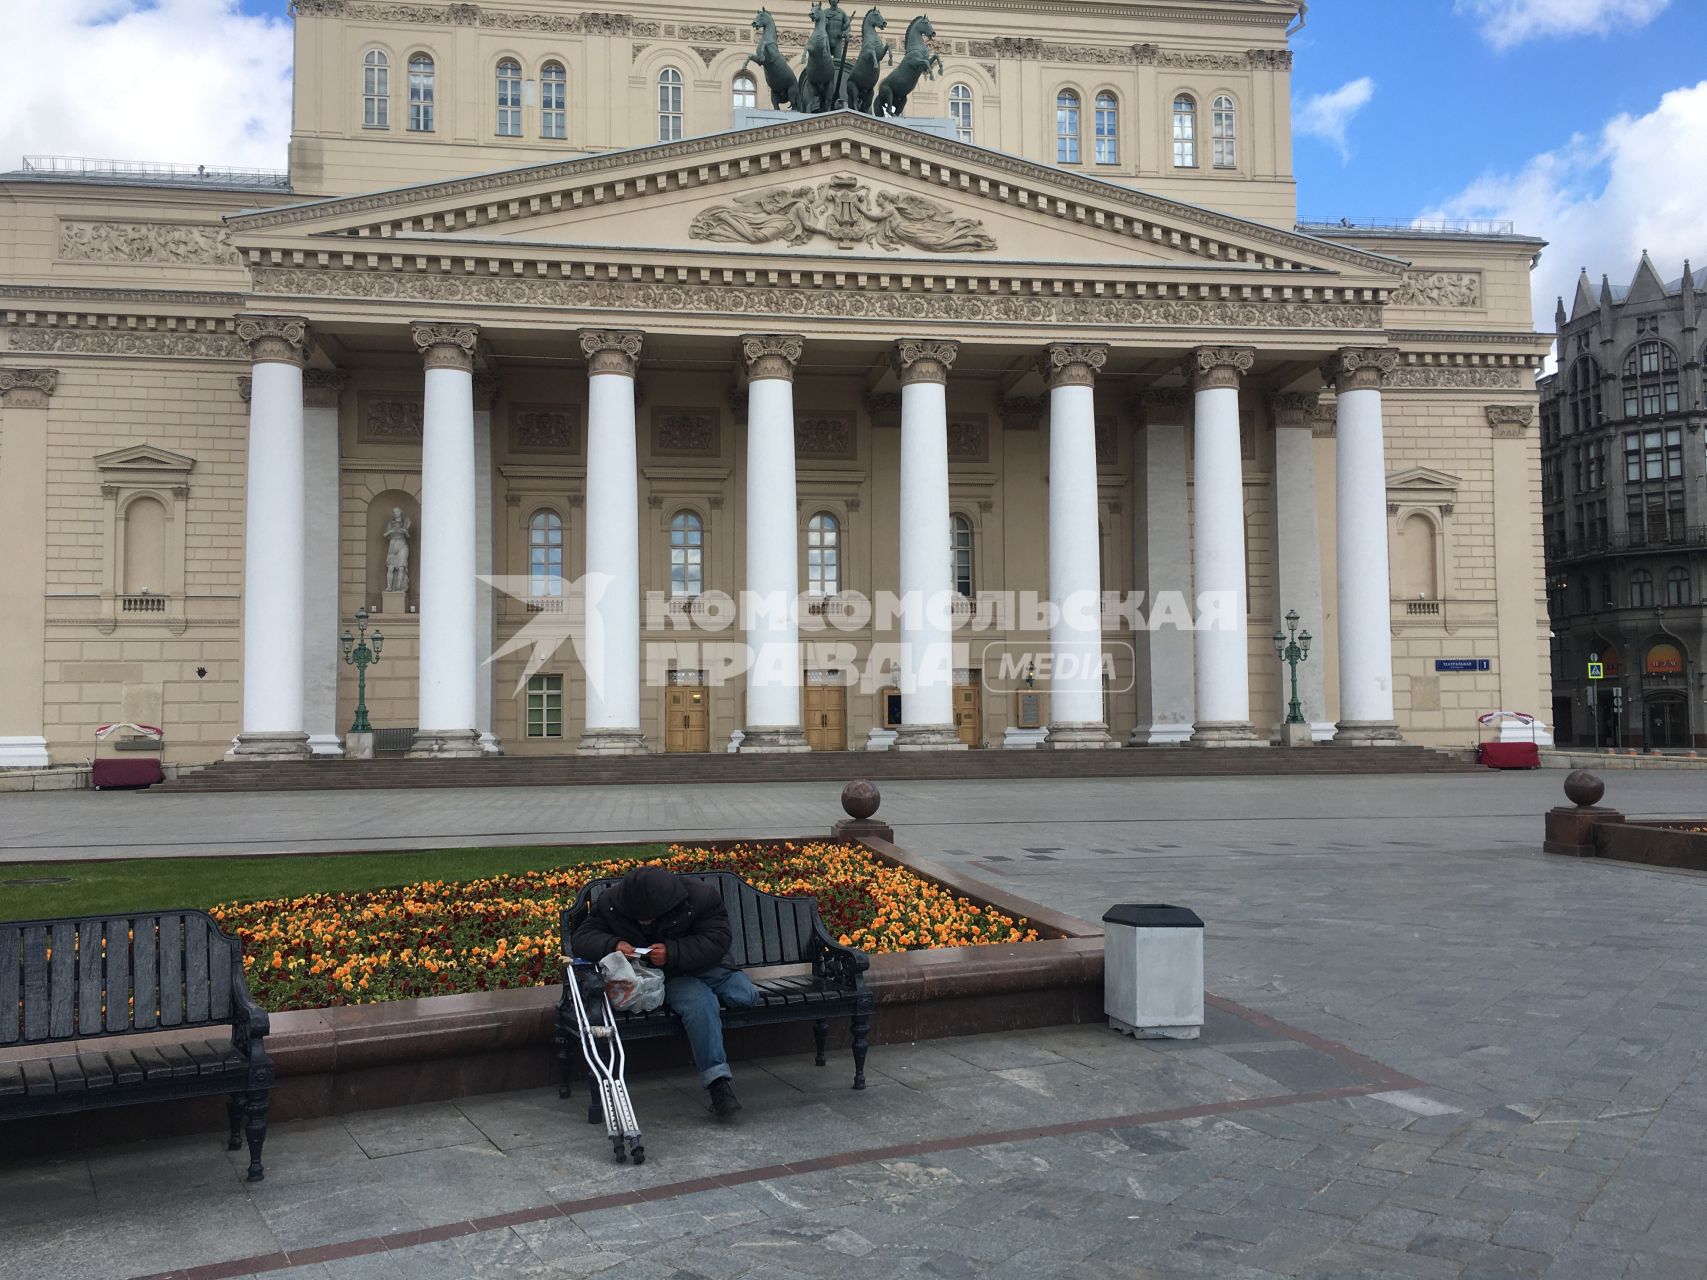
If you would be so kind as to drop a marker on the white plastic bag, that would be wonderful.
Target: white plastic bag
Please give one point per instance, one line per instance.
(632, 984)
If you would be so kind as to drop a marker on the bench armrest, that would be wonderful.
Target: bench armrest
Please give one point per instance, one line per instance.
(249, 1022)
(838, 966)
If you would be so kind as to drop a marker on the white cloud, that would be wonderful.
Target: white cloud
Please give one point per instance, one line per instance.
(1511, 22)
(1600, 201)
(187, 81)
(1326, 115)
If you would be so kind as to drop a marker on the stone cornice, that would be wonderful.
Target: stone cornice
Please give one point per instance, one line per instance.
(274, 339)
(923, 359)
(159, 297)
(27, 388)
(446, 346)
(498, 198)
(1071, 364)
(612, 351)
(771, 355)
(1218, 368)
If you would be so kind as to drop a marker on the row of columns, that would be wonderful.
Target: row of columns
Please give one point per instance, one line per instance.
(1211, 708)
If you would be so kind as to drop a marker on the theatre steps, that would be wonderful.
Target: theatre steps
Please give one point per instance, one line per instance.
(825, 766)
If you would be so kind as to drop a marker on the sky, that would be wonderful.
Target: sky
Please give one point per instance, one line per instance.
(1583, 121)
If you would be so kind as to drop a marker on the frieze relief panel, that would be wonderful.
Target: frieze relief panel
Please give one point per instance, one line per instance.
(1439, 289)
(387, 418)
(98, 342)
(845, 210)
(969, 439)
(184, 244)
(689, 433)
(824, 435)
(1451, 377)
(472, 15)
(1108, 442)
(544, 428)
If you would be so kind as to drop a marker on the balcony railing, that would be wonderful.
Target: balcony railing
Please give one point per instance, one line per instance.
(154, 171)
(1419, 226)
(144, 603)
(1613, 543)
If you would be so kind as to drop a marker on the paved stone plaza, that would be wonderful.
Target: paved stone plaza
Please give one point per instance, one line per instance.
(1464, 1059)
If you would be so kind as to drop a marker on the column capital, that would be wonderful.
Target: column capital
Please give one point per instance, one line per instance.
(322, 387)
(612, 351)
(27, 388)
(1292, 408)
(771, 355)
(1359, 368)
(1161, 406)
(1021, 413)
(245, 387)
(275, 339)
(1214, 368)
(923, 359)
(1510, 421)
(1071, 364)
(446, 346)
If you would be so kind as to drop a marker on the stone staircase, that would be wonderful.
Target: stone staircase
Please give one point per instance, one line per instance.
(824, 766)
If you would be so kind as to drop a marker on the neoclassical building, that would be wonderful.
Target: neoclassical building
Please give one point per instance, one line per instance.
(557, 328)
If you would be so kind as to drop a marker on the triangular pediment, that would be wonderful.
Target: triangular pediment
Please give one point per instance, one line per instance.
(837, 187)
(144, 460)
(1423, 480)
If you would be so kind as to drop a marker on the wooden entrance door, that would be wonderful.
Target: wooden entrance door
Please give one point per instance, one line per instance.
(969, 713)
(687, 719)
(826, 715)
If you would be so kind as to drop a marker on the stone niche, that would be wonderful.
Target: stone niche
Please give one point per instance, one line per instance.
(378, 516)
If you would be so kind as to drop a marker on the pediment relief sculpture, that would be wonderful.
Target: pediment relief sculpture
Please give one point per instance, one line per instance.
(844, 210)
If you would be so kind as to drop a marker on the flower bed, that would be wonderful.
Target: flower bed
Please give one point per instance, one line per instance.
(439, 938)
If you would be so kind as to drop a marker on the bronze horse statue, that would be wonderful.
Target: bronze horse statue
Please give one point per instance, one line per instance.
(815, 90)
(916, 61)
(860, 82)
(779, 76)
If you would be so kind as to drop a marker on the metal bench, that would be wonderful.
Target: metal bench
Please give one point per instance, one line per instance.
(766, 930)
(85, 979)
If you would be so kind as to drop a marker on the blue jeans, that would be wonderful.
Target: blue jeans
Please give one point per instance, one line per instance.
(695, 998)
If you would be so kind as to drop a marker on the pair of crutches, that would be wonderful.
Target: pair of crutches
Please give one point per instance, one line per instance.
(601, 1046)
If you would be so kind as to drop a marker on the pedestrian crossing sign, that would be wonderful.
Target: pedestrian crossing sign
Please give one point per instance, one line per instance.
(1597, 671)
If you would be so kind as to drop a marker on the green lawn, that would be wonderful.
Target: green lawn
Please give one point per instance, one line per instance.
(149, 884)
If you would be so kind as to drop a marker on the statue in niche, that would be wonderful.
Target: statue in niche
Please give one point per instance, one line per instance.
(397, 551)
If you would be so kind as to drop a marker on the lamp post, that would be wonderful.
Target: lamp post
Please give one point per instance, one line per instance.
(1293, 648)
(361, 655)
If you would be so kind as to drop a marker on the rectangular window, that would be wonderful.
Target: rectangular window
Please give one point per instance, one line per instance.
(1671, 397)
(376, 97)
(1631, 403)
(545, 706)
(420, 100)
(1650, 402)
(510, 104)
(1596, 465)
(1108, 133)
(1185, 139)
(1633, 458)
(1650, 357)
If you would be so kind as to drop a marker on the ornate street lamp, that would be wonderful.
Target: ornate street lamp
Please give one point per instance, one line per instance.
(361, 655)
(1293, 648)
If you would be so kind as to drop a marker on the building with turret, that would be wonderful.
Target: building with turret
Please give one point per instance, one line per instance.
(1624, 501)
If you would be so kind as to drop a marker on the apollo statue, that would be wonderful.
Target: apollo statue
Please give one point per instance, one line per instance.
(397, 551)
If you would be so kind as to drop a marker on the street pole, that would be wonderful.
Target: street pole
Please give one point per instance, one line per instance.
(361, 655)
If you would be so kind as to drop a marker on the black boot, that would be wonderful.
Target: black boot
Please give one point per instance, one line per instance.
(723, 1101)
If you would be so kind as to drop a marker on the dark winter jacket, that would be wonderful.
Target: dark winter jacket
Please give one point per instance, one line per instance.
(687, 916)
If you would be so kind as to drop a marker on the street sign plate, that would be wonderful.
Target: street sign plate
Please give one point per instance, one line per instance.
(1597, 671)
(1460, 664)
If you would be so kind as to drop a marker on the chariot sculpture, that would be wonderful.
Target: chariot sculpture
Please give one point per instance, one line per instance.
(827, 80)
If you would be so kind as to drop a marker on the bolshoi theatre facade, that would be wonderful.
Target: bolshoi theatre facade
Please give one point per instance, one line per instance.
(569, 334)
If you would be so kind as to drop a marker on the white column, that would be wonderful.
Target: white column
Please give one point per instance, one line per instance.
(1363, 577)
(1076, 717)
(1298, 554)
(1163, 558)
(447, 562)
(610, 651)
(927, 585)
(773, 558)
(486, 599)
(1218, 549)
(321, 658)
(24, 396)
(273, 543)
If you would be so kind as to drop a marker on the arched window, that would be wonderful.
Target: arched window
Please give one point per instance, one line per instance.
(144, 547)
(553, 101)
(1582, 395)
(1641, 589)
(1185, 132)
(960, 111)
(669, 105)
(1224, 133)
(1067, 127)
(420, 94)
(746, 91)
(1677, 585)
(509, 98)
(823, 555)
(960, 548)
(1607, 599)
(376, 90)
(1650, 380)
(545, 554)
(1108, 129)
(687, 555)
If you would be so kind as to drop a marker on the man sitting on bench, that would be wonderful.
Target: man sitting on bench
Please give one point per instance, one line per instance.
(684, 930)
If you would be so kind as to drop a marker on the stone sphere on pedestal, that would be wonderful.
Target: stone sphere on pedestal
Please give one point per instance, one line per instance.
(860, 799)
(1583, 788)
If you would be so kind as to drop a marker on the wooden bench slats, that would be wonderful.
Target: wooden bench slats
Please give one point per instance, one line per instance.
(749, 934)
(35, 982)
(118, 975)
(171, 970)
(11, 976)
(38, 1078)
(178, 1059)
(62, 975)
(220, 966)
(11, 1079)
(195, 969)
(210, 1058)
(89, 981)
(154, 1065)
(126, 1069)
(67, 1075)
(97, 1071)
(145, 954)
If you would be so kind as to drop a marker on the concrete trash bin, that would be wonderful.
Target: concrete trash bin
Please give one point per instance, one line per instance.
(1152, 978)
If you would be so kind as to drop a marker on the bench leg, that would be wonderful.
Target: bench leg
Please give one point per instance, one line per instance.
(235, 1107)
(256, 1129)
(565, 1073)
(821, 1035)
(860, 1026)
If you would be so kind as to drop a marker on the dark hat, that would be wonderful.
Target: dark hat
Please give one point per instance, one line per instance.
(650, 892)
